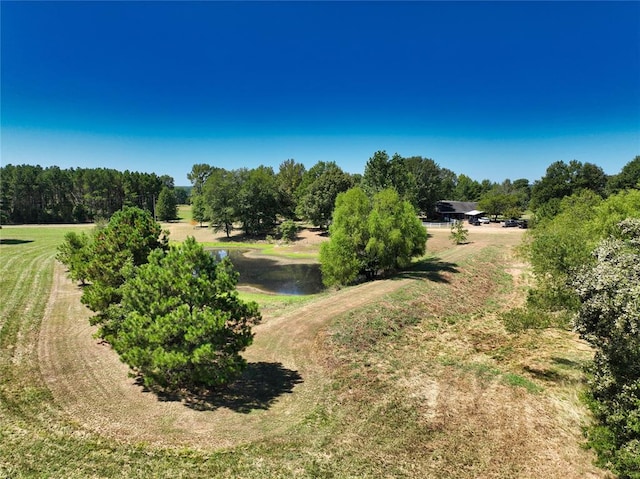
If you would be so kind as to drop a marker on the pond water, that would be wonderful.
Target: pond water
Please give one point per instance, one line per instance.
(272, 276)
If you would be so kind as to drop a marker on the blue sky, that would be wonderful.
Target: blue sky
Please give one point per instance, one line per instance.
(491, 90)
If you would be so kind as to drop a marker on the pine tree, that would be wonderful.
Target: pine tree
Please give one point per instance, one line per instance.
(167, 205)
(184, 325)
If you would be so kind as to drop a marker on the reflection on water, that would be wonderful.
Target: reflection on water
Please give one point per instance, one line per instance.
(271, 276)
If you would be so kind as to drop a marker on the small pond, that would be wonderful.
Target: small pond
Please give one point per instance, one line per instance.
(271, 275)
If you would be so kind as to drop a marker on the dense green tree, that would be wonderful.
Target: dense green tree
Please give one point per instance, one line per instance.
(167, 205)
(563, 179)
(167, 182)
(430, 186)
(142, 189)
(74, 254)
(57, 191)
(381, 173)
(288, 230)
(309, 176)
(124, 242)
(466, 189)
(318, 202)
(257, 200)
(344, 257)
(628, 178)
(370, 236)
(184, 325)
(495, 203)
(32, 194)
(289, 177)
(395, 233)
(560, 246)
(220, 193)
(377, 173)
(609, 319)
(199, 209)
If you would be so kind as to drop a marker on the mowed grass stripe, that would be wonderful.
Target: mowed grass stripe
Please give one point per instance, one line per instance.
(17, 293)
(30, 258)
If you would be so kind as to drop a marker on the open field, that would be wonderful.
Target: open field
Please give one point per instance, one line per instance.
(406, 377)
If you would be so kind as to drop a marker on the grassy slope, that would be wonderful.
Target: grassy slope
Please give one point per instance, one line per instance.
(424, 383)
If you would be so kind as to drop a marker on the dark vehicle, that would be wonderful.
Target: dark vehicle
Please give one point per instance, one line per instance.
(474, 221)
(510, 223)
(523, 224)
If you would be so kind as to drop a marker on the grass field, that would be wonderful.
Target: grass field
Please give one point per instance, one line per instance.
(413, 376)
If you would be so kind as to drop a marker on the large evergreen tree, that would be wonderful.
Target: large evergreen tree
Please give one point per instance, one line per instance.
(125, 242)
(167, 205)
(184, 325)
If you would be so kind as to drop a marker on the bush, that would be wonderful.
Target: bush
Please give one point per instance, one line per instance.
(609, 319)
(288, 230)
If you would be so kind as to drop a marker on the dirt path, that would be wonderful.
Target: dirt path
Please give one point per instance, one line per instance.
(91, 385)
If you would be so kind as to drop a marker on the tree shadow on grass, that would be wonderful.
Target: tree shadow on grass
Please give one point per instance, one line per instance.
(259, 387)
(10, 241)
(563, 370)
(430, 269)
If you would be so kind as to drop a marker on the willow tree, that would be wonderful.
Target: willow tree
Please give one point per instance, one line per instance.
(370, 236)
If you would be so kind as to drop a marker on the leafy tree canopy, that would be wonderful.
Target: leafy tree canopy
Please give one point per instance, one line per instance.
(32, 194)
(220, 197)
(496, 203)
(628, 178)
(562, 179)
(319, 200)
(198, 176)
(558, 247)
(167, 205)
(370, 236)
(290, 176)
(466, 189)
(257, 200)
(74, 254)
(199, 209)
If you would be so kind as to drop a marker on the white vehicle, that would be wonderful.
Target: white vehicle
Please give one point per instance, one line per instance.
(484, 220)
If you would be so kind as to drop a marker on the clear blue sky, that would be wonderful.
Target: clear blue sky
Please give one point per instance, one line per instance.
(491, 90)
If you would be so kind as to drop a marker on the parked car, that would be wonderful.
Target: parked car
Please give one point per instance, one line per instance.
(484, 220)
(510, 223)
(524, 224)
(474, 221)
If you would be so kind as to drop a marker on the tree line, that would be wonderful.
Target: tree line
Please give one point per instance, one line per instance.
(32, 194)
(255, 199)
